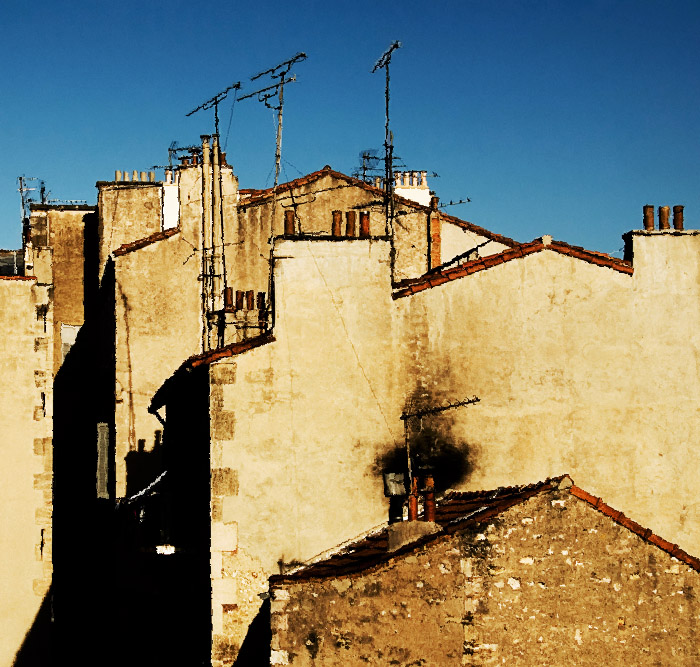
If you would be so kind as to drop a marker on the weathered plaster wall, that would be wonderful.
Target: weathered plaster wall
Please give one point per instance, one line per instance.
(296, 425)
(579, 368)
(158, 324)
(25, 474)
(127, 212)
(548, 582)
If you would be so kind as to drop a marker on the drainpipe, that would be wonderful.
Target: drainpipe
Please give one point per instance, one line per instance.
(217, 229)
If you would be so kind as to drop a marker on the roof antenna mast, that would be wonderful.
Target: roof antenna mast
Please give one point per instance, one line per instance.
(383, 62)
(214, 102)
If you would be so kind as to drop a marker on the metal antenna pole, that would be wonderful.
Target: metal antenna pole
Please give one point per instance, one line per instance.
(383, 62)
(214, 102)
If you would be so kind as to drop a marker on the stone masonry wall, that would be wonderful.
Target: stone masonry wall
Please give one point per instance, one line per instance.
(549, 582)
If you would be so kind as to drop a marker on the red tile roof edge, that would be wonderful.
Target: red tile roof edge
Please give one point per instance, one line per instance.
(229, 351)
(645, 533)
(518, 495)
(142, 243)
(17, 277)
(428, 280)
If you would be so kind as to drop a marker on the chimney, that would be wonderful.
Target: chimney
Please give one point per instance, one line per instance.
(289, 222)
(678, 218)
(337, 223)
(663, 217)
(350, 224)
(144, 177)
(228, 298)
(261, 300)
(250, 299)
(117, 175)
(152, 176)
(429, 505)
(364, 224)
(126, 176)
(413, 500)
(648, 217)
(239, 299)
(135, 176)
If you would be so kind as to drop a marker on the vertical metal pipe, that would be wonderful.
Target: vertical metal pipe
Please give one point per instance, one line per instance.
(217, 228)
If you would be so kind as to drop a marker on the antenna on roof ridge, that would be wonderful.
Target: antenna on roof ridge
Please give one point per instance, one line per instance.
(214, 102)
(383, 62)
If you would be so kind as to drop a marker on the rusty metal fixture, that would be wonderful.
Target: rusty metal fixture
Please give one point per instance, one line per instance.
(663, 217)
(239, 299)
(434, 201)
(678, 217)
(350, 224)
(250, 299)
(364, 224)
(337, 223)
(228, 298)
(648, 217)
(413, 500)
(289, 222)
(429, 498)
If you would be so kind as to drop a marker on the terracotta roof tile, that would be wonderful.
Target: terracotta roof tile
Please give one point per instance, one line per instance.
(633, 526)
(228, 351)
(142, 243)
(516, 252)
(458, 510)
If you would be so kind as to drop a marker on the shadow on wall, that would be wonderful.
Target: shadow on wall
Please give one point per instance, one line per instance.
(142, 466)
(255, 649)
(36, 647)
(431, 443)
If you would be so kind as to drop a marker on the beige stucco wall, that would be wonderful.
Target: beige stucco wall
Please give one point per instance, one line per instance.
(579, 369)
(25, 474)
(456, 240)
(296, 422)
(548, 582)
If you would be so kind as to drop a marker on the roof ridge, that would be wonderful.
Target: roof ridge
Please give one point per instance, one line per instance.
(645, 533)
(146, 241)
(230, 350)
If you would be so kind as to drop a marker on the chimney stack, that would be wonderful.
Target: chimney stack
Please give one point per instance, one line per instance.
(364, 224)
(663, 217)
(228, 298)
(350, 224)
(678, 218)
(337, 223)
(648, 217)
(289, 222)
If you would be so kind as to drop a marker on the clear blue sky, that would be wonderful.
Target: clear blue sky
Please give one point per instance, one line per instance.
(553, 117)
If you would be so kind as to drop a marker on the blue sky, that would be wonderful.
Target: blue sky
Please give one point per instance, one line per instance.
(560, 118)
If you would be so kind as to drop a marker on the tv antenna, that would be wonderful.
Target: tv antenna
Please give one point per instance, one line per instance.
(214, 102)
(383, 62)
(276, 90)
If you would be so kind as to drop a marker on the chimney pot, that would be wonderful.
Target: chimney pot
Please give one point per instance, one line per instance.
(648, 217)
(135, 176)
(126, 176)
(117, 175)
(228, 298)
(434, 201)
(289, 222)
(350, 224)
(663, 217)
(413, 500)
(337, 223)
(239, 299)
(152, 176)
(144, 177)
(261, 300)
(250, 299)
(429, 498)
(678, 217)
(364, 224)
